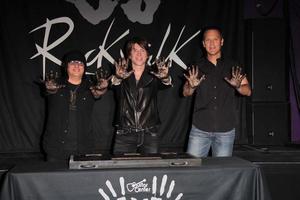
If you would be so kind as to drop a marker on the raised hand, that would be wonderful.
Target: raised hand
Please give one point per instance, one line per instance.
(101, 85)
(193, 77)
(162, 68)
(121, 69)
(51, 82)
(236, 77)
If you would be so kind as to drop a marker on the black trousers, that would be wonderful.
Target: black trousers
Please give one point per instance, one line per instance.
(60, 156)
(143, 141)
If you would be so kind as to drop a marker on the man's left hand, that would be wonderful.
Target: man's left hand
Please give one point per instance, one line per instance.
(236, 77)
(101, 83)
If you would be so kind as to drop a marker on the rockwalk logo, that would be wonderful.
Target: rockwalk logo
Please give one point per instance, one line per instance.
(157, 190)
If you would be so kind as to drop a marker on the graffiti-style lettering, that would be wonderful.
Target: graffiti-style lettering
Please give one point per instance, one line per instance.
(95, 16)
(44, 51)
(102, 48)
(141, 11)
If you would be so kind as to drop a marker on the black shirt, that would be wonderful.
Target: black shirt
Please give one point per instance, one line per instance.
(214, 108)
(61, 120)
(71, 131)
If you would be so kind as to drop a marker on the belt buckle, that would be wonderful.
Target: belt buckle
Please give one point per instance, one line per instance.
(136, 130)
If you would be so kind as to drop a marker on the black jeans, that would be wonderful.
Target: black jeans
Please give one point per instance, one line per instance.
(60, 157)
(144, 141)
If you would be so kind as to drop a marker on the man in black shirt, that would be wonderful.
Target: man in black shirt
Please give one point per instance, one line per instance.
(70, 101)
(214, 115)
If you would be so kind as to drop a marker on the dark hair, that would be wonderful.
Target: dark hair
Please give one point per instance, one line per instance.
(136, 40)
(208, 28)
(74, 55)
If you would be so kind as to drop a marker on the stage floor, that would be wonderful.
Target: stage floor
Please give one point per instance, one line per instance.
(268, 154)
(257, 154)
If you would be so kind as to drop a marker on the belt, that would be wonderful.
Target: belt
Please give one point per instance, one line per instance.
(136, 130)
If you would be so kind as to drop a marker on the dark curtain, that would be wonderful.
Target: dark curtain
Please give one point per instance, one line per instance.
(293, 7)
(34, 35)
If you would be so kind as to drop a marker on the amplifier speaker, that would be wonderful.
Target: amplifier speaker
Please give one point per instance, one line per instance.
(268, 123)
(266, 59)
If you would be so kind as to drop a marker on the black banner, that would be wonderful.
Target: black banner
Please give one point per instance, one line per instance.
(34, 35)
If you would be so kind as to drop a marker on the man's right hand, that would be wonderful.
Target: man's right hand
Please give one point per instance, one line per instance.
(121, 69)
(192, 81)
(193, 77)
(50, 83)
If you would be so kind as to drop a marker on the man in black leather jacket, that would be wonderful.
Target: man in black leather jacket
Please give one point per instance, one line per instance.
(136, 90)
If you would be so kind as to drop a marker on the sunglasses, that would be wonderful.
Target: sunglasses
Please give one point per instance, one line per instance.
(73, 62)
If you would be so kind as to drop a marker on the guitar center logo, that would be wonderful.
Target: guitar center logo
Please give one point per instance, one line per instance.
(141, 186)
(155, 189)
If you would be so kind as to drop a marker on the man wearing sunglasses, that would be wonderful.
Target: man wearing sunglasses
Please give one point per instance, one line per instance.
(70, 101)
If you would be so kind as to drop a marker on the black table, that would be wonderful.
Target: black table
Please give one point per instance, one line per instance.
(218, 178)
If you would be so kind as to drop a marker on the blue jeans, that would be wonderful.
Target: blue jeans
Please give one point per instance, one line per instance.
(200, 143)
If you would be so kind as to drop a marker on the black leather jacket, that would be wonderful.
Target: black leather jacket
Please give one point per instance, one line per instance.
(137, 103)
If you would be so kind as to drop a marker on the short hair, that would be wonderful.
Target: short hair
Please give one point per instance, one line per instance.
(208, 28)
(137, 40)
